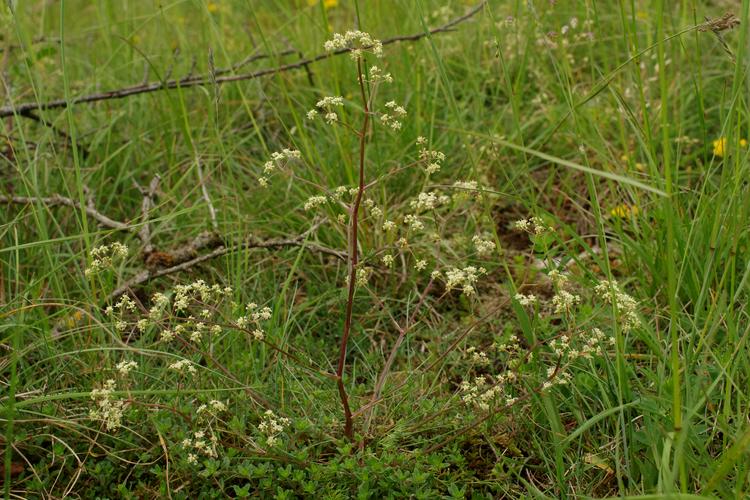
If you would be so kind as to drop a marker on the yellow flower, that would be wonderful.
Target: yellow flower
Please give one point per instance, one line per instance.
(328, 4)
(720, 146)
(624, 211)
(212, 7)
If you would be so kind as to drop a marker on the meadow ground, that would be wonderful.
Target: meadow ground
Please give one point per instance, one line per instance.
(299, 253)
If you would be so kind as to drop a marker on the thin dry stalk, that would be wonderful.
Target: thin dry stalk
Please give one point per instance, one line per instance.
(149, 194)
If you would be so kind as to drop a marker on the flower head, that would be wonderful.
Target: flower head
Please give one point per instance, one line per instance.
(624, 211)
(357, 42)
(720, 146)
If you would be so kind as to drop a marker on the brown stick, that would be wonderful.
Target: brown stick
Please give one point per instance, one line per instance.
(146, 205)
(57, 200)
(190, 260)
(64, 135)
(353, 256)
(193, 81)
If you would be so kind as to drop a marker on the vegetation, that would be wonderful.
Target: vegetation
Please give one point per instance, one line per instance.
(375, 249)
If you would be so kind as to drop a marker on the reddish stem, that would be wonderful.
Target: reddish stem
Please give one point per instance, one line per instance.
(353, 258)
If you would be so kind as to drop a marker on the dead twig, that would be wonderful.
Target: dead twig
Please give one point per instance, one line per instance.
(57, 200)
(184, 258)
(59, 132)
(194, 81)
(181, 258)
(149, 194)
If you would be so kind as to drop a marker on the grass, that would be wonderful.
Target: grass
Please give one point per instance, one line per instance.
(607, 137)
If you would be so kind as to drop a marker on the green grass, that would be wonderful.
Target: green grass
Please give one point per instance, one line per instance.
(567, 127)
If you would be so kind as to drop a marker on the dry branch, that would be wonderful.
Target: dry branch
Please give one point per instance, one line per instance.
(147, 204)
(57, 131)
(185, 257)
(181, 258)
(193, 81)
(57, 200)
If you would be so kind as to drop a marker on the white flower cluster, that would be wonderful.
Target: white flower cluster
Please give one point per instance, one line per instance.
(363, 275)
(375, 210)
(465, 279)
(627, 307)
(477, 356)
(484, 393)
(357, 41)
(124, 305)
(254, 317)
(526, 300)
(182, 366)
(103, 257)
(564, 301)
(327, 106)
(431, 160)
(428, 201)
(465, 190)
(593, 346)
(272, 426)
(199, 445)
(510, 346)
(314, 202)
(558, 279)
(342, 191)
(377, 75)
(159, 303)
(191, 329)
(532, 225)
(198, 293)
(413, 222)
(278, 159)
(124, 367)
(393, 115)
(213, 408)
(483, 246)
(193, 295)
(556, 376)
(108, 409)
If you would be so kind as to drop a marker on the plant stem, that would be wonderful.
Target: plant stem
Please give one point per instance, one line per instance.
(353, 257)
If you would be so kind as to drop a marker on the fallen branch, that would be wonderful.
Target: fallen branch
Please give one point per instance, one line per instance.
(57, 200)
(193, 81)
(184, 258)
(61, 133)
(180, 258)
